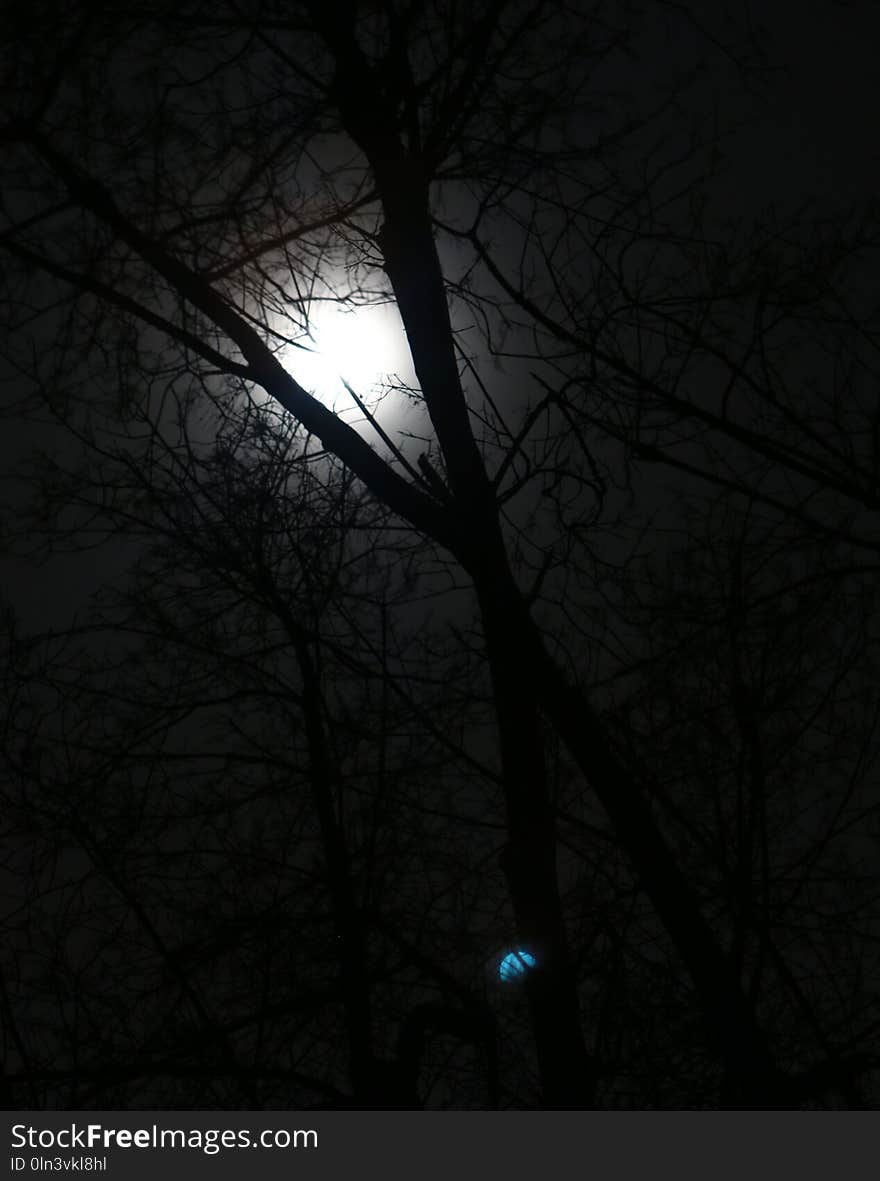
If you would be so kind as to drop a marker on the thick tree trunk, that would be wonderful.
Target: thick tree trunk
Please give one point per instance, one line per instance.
(413, 267)
(524, 679)
(750, 1076)
(529, 863)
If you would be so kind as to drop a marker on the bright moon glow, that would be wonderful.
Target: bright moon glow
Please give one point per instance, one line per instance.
(516, 963)
(363, 346)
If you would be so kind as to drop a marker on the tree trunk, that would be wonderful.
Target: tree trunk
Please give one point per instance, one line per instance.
(413, 268)
(529, 863)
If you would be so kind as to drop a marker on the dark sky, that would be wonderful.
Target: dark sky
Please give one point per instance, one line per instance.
(813, 137)
(819, 139)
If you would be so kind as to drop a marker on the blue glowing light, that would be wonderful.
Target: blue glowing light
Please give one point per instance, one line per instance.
(516, 963)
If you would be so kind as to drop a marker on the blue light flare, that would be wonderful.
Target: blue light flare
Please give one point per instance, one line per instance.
(516, 964)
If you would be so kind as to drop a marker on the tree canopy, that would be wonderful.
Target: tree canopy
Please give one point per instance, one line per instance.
(556, 641)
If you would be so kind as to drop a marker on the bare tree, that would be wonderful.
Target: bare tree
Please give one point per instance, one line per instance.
(252, 735)
(175, 237)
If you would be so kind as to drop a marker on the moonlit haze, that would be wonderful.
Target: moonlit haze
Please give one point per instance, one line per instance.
(364, 346)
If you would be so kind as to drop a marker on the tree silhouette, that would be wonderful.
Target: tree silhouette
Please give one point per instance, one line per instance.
(186, 187)
(202, 753)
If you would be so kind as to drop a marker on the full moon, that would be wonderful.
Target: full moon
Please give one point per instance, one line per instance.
(362, 346)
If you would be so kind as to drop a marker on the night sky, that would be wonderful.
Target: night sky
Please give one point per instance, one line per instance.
(322, 790)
